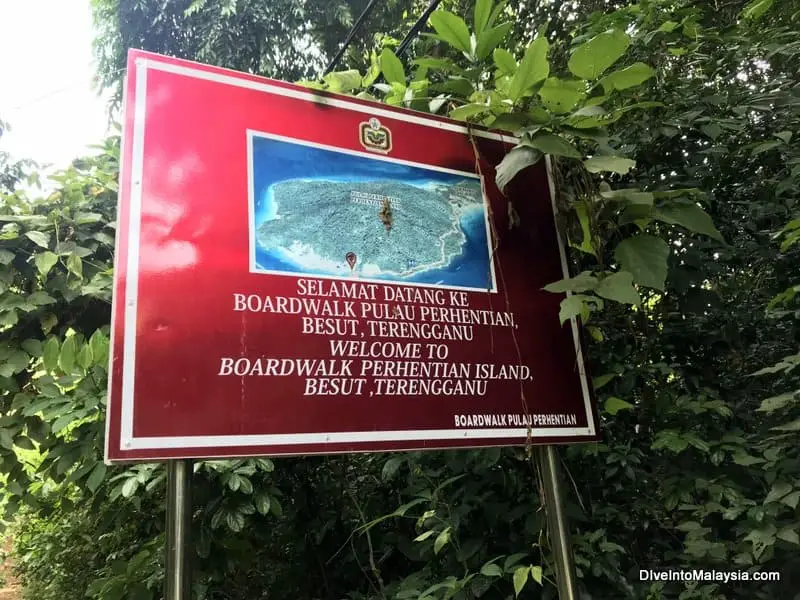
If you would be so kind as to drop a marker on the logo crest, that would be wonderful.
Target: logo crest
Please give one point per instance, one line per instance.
(374, 136)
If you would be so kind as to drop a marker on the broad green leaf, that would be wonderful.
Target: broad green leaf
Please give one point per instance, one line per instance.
(774, 403)
(549, 143)
(536, 574)
(613, 164)
(441, 541)
(392, 67)
(390, 467)
(645, 257)
(619, 287)
(50, 354)
(505, 61)
(483, 10)
(791, 426)
(462, 113)
(613, 405)
(578, 305)
(39, 238)
(439, 64)
(509, 121)
(452, 29)
(33, 347)
(562, 95)
(66, 358)
(778, 491)
(602, 380)
(668, 26)
(263, 502)
(40, 298)
(491, 570)
(424, 536)
(6, 256)
(792, 499)
(788, 534)
(513, 162)
(754, 10)
(583, 282)
(629, 77)
(520, 579)
(688, 215)
(489, 39)
(96, 477)
(343, 81)
(45, 261)
(592, 58)
(75, 265)
(761, 539)
(532, 69)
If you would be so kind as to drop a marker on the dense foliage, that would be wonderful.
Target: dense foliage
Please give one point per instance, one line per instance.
(674, 127)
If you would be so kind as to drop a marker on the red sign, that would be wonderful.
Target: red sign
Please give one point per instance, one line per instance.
(301, 272)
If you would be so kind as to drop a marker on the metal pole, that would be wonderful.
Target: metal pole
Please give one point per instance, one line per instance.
(350, 34)
(178, 578)
(415, 29)
(554, 497)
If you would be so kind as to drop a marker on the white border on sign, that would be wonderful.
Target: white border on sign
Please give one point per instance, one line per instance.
(127, 440)
(252, 224)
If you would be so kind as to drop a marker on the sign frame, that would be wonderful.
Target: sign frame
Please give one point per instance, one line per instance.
(122, 445)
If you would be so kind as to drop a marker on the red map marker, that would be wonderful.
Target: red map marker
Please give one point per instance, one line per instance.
(351, 259)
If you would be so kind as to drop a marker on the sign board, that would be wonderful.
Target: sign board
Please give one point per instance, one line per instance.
(300, 272)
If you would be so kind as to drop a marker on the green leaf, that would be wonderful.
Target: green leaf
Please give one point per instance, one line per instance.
(592, 58)
(483, 10)
(129, 487)
(602, 380)
(275, 507)
(582, 282)
(619, 287)
(424, 536)
(754, 10)
(645, 257)
(629, 77)
(344, 81)
(536, 574)
(778, 491)
(462, 113)
(520, 579)
(577, 305)
(439, 64)
(452, 29)
(441, 541)
(554, 145)
(788, 534)
(39, 238)
(390, 467)
(40, 298)
(532, 69)
(613, 405)
(75, 265)
(66, 359)
(689, 215)
(33, 347)
(6, 256)
(513, 162)
(50, 355)
(96, 477)
(613, 164)
(778, 402)
(791, 500)
(263, 503)
(392, 67)
(505, 61)
(489, 39)
(45, 261)
(491, 570)
(792, 426)
(562, 95)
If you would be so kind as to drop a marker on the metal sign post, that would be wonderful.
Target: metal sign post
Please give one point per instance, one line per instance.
(178, 578)
(554, 503)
